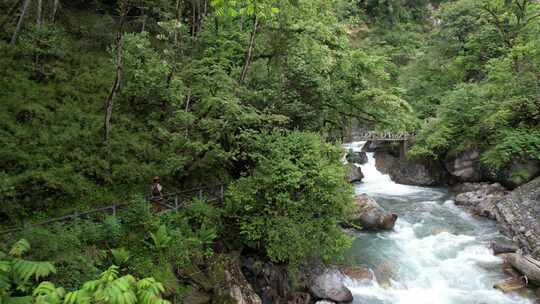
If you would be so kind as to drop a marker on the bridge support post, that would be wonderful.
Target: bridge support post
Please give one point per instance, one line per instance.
(403, 150)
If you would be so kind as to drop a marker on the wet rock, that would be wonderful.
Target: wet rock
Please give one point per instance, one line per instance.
(384, 162)
(384, 272)
(273, 284)
(359, 273)
(503, 247)
(357, 157)
(324, 302)
(467, 187)
(482, 198)
(465, 167)
(269, 280)
(328, 284)
(526, 265)
(510, 284)
(236, 288)
(370, 216)
(354, 173)
(518, 216)
(418, 173)
(411, 172)
(389, 147)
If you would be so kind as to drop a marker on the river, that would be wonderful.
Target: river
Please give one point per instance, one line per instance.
(437, 253)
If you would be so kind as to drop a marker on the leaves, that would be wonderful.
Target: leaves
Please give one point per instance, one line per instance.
(161, 238)
(120, 256)
(20, 248)
(294, 199)
(25, 270)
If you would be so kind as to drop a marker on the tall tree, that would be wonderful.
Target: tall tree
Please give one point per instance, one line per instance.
(123, 8)
(56, 6)
(24, 10)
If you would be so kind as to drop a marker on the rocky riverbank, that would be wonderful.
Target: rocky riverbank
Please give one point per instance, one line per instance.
(465, 167)
(517, 212)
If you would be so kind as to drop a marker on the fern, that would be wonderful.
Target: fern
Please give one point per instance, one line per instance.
(109, 288)
(148, 291)
(20, 248)
(24, 270)
(78, 297)
(161, 238)
(120, 256)
(47, 293)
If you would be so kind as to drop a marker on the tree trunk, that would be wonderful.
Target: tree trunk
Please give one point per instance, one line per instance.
(39, 12)
(117, 80)
(20, 22)
(176, 40)
(143, 27)
(249, 53)
(178, 16)
(55, 10)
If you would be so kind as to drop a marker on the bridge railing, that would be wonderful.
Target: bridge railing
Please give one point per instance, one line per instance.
(383, 136)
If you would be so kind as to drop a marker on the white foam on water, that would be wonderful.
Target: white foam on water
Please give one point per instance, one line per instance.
(374, 181)
(442, 267)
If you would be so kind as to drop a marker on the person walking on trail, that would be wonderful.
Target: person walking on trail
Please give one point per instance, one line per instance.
(156, 193)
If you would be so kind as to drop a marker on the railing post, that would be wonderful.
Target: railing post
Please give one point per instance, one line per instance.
(114, 210)
(222, 193)
(176, 202)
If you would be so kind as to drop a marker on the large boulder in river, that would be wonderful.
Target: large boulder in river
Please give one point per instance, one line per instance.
(519, 216)
(370, 216)
(354, 173)
(328, 284)
(466, 166)
(357, 157)
(392, 148)
(480, 198)
(411, 171)
(385, 162)
(418, 173)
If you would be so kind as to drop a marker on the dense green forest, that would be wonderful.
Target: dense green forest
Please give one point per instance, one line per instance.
(99, 96)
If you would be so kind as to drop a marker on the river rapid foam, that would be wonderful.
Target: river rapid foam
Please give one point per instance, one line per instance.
(437, 253)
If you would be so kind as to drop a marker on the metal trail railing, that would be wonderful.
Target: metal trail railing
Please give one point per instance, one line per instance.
(169, 201)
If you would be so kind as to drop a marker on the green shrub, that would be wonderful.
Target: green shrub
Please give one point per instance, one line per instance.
(291, 204)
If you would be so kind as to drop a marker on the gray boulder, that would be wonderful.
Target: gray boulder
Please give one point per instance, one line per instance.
(389, 147)
(480, 198)
(385, 162)
(354, 173)
(519, 216)
(328, 284)
(236, 287)
(370, 216)
(465, 167)
(357, 157)
(410, 171)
